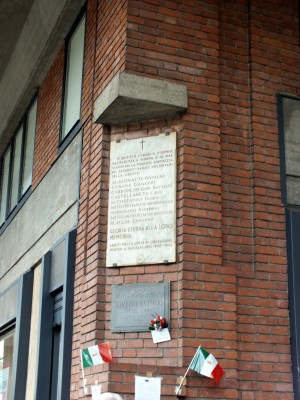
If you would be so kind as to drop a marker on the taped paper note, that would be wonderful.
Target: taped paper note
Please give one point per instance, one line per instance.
(147, 388)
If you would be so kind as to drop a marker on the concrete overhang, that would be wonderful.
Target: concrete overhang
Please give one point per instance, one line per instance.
(13, 14)
(131, 98)
(39, 28)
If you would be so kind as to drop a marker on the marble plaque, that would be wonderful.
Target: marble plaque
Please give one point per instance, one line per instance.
(142, 201)
(134, 305)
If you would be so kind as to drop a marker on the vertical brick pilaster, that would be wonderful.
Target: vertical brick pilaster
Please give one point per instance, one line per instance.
(236, 144)
(90, 275)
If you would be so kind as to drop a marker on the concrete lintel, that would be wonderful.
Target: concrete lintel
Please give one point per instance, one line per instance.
(131, 98)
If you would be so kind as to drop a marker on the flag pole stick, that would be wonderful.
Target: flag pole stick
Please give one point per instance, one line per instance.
(82, 369)
(181, 382)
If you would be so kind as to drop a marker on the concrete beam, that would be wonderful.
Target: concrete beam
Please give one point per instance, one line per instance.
(46, 26)
(130, 98)
(13, 14)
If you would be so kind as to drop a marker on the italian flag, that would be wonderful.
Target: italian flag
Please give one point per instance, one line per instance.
(96, 355)
(205, 364)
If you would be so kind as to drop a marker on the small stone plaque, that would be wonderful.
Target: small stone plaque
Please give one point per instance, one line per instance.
(134, 305)
(142, 201)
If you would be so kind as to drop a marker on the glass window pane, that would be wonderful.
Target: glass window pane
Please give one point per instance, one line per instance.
(6, 361)
(29, 149)
(73, 83)
(16, 167)
(4, 188)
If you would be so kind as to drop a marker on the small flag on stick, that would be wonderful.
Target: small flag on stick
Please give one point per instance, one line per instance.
(205, 364)
(96, 355)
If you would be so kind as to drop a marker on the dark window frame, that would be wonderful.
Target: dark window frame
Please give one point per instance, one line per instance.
(22, 336)
(292, 212)
(20, 322)
(280, 97)
(21, 198)
(8, 328)
(48, 325)
(77, 126)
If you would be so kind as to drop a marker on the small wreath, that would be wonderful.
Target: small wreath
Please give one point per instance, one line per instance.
(158, 323)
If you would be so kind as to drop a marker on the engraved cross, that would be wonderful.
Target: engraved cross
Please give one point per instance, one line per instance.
(142, 141)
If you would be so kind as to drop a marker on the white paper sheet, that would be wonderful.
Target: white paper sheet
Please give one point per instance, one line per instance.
(96, 391)
(161, 336)
(147, 388)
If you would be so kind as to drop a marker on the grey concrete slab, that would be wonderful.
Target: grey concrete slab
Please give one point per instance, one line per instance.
(13, 14)
(49, 213)
(131, 98)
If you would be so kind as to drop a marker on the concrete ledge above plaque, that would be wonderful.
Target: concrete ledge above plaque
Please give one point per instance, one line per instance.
(132, 98)
(134, 305)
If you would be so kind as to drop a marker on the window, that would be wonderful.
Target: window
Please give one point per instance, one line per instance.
(4, 186)
(6, 362)
(56, 343)
(16, 167)
(73, 79)
(289, 128)
(29, 149)
(15, 318)
(16, 164)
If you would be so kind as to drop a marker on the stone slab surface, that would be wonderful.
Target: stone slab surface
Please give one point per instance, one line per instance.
(142, 201)
(134, 305)
(130, 98)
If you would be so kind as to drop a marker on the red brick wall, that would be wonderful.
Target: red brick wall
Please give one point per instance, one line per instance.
(236, 160)
(110, 42)
(263, 298)
(180, 42)
(104, 57)
(48, 119)
(229, 284)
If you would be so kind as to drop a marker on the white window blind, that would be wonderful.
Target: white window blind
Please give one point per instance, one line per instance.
(29, 148)
(73, 81)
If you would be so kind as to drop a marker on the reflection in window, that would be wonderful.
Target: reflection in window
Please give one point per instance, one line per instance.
(16, 170)
(6, 361)
(29, 148)
(4, 186)
(16, 165)
(73, 80)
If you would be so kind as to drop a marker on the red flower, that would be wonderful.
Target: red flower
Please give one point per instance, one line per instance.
(158, 323)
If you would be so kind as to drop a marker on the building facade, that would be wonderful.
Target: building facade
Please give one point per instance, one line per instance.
(76, 79)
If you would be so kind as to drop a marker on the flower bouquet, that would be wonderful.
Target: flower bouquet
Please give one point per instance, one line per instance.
(158, 323)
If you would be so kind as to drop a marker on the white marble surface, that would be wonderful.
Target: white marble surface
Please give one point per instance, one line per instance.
(142, 201)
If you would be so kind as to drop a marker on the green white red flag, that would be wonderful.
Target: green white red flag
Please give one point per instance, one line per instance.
(96, 355)
(205, 364)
